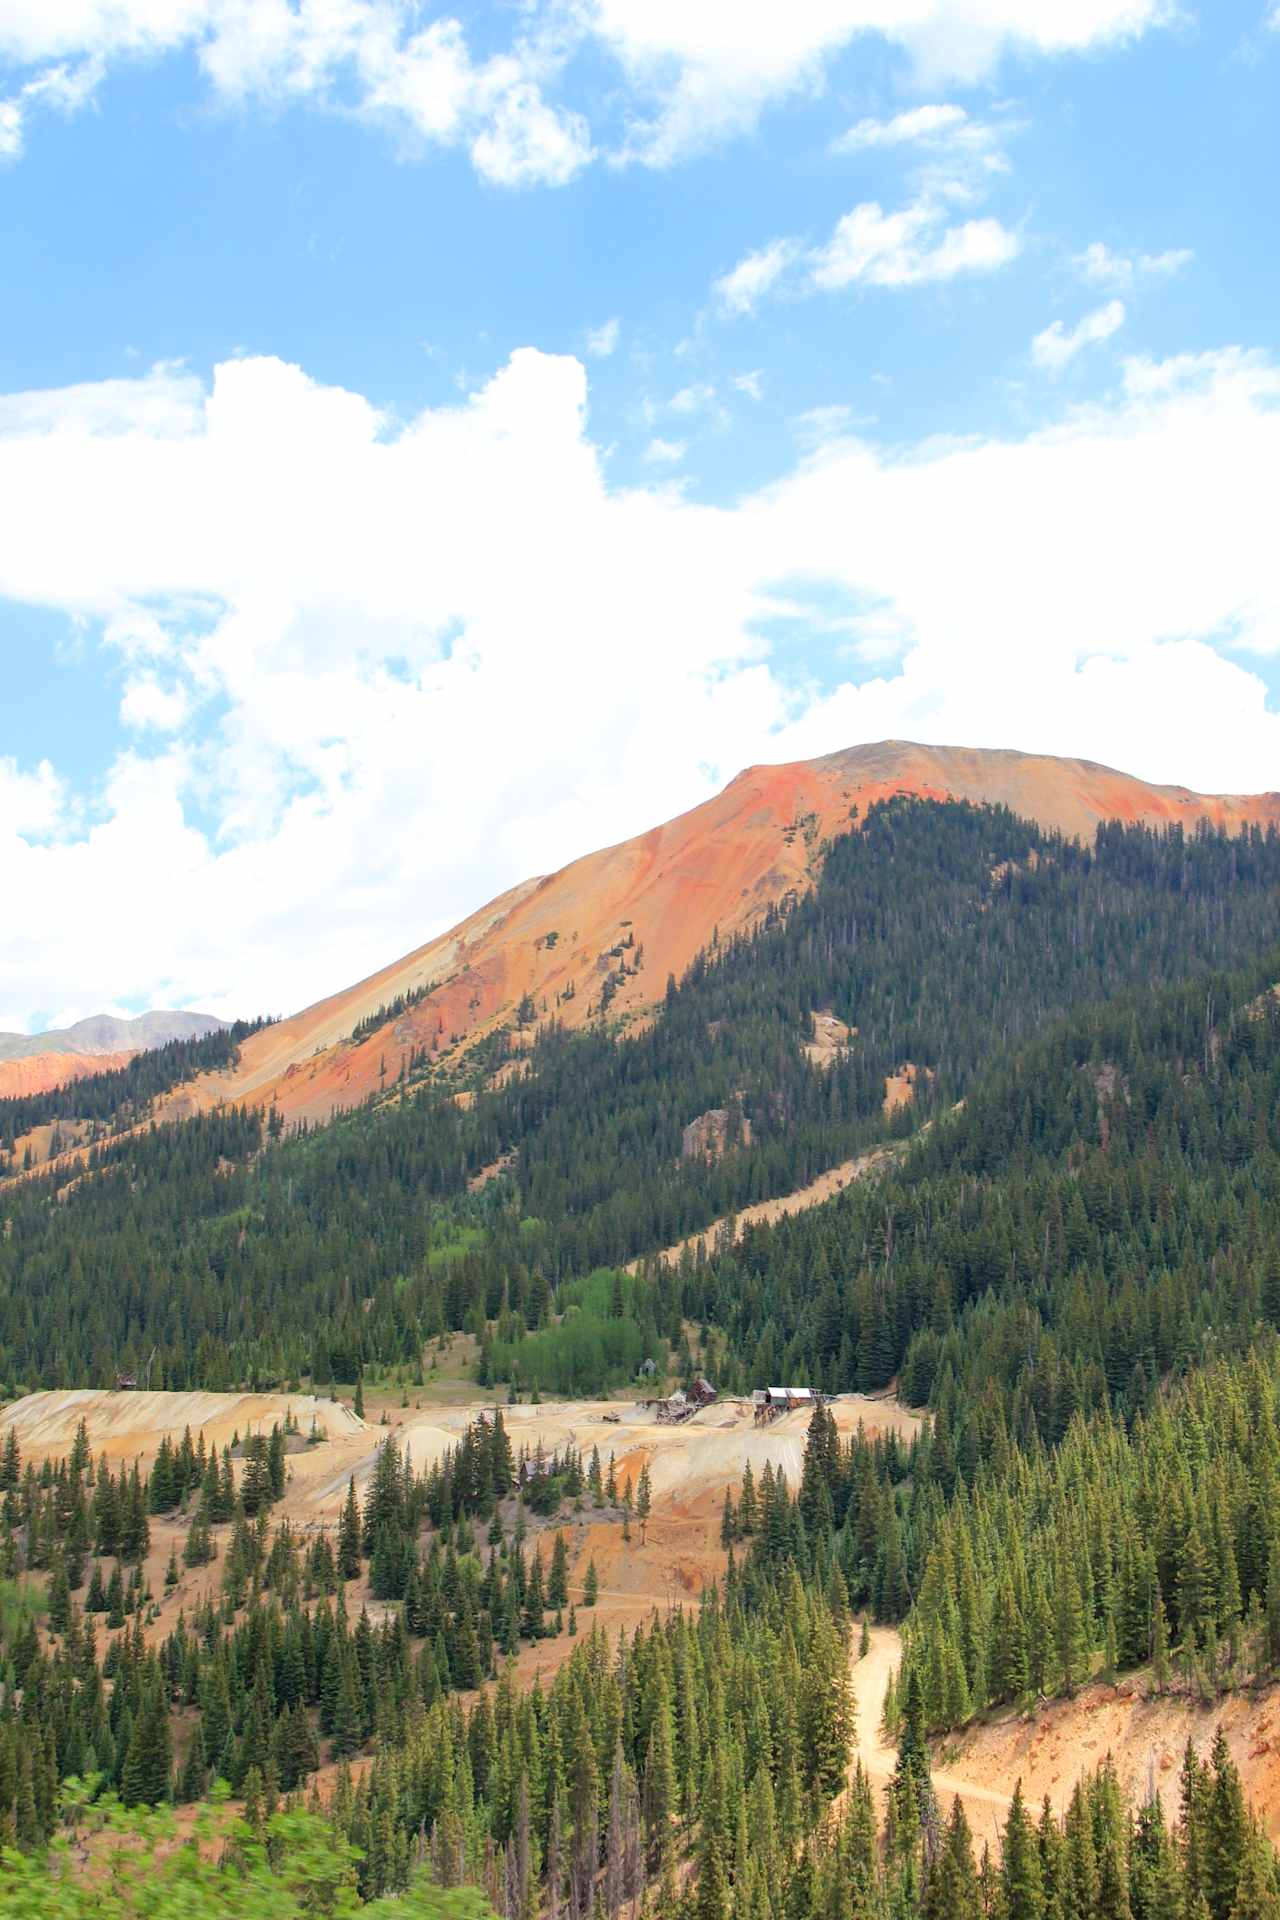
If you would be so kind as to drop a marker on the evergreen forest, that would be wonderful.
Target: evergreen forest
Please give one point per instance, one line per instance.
(1064, 1251)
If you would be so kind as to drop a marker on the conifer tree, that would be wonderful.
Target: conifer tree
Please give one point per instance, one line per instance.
(1020, 1874)
(349, 1535)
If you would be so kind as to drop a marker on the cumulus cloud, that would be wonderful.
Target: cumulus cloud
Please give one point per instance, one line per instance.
(1100, 267)
(664, 453)
(751, 383)
(426, 659)
(908, 248)
(146, 703)
(912, 246)
(32, 802)
(694, 71)
(1056, 347)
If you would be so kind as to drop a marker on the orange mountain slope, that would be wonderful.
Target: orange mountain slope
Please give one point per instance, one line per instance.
(718, 866)
(41, 1072)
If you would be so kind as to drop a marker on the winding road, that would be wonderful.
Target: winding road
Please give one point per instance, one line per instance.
(871, 1675)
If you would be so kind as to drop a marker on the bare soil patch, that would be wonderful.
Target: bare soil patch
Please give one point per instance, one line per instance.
(765, 1212)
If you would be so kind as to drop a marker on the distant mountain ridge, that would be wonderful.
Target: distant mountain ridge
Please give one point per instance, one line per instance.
(104, 1033)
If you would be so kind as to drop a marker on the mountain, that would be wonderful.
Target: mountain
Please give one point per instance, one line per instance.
(558, 939)
(37, 1062)
(1048, 1076)
(103, 1033)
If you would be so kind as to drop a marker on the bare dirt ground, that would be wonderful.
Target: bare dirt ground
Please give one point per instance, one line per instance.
(900, 1087)
(1050, 1750)
(131, 1424)
(765, 1212)
(1145, 1736)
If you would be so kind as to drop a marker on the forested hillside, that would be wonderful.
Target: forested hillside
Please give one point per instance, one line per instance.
(947, 935)
(1071, 1257)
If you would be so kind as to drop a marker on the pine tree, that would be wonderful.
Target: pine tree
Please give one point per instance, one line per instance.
(1020, 1875)
(713, 1899)
(195, 1768)
(644, 1500)
(1069, 1643)
(558, 1580)
(349, 1536)
(145, 1779)
(1226, 1831)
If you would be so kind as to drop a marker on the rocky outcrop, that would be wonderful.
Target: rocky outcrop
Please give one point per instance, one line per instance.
(713, 1133)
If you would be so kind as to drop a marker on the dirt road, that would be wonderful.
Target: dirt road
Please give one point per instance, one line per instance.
(871, 1674)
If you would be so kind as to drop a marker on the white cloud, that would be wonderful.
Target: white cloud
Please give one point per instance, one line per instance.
(919, 243)
(524, 142)
(368, 57)
(751, 383)
(10, 128)
(818, 425)
(1055, 347)
(694, 399)
(664, 453)
(148, 704)
(427, 659)
(928, 124)
(602, 341)
(31, 803)
(740, 290)
(957, 155)
(1102, 268)
(63, 88)
(709, 69)
(694, 71)
(908, 248)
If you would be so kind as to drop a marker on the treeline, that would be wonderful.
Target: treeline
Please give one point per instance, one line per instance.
(390, 1010)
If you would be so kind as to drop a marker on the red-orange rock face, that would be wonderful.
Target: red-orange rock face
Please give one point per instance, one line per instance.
(41, 1072)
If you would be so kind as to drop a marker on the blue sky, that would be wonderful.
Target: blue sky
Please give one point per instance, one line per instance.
(433, 444)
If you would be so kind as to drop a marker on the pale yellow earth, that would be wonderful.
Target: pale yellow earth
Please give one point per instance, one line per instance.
(723, 1233)
(130, 1424)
